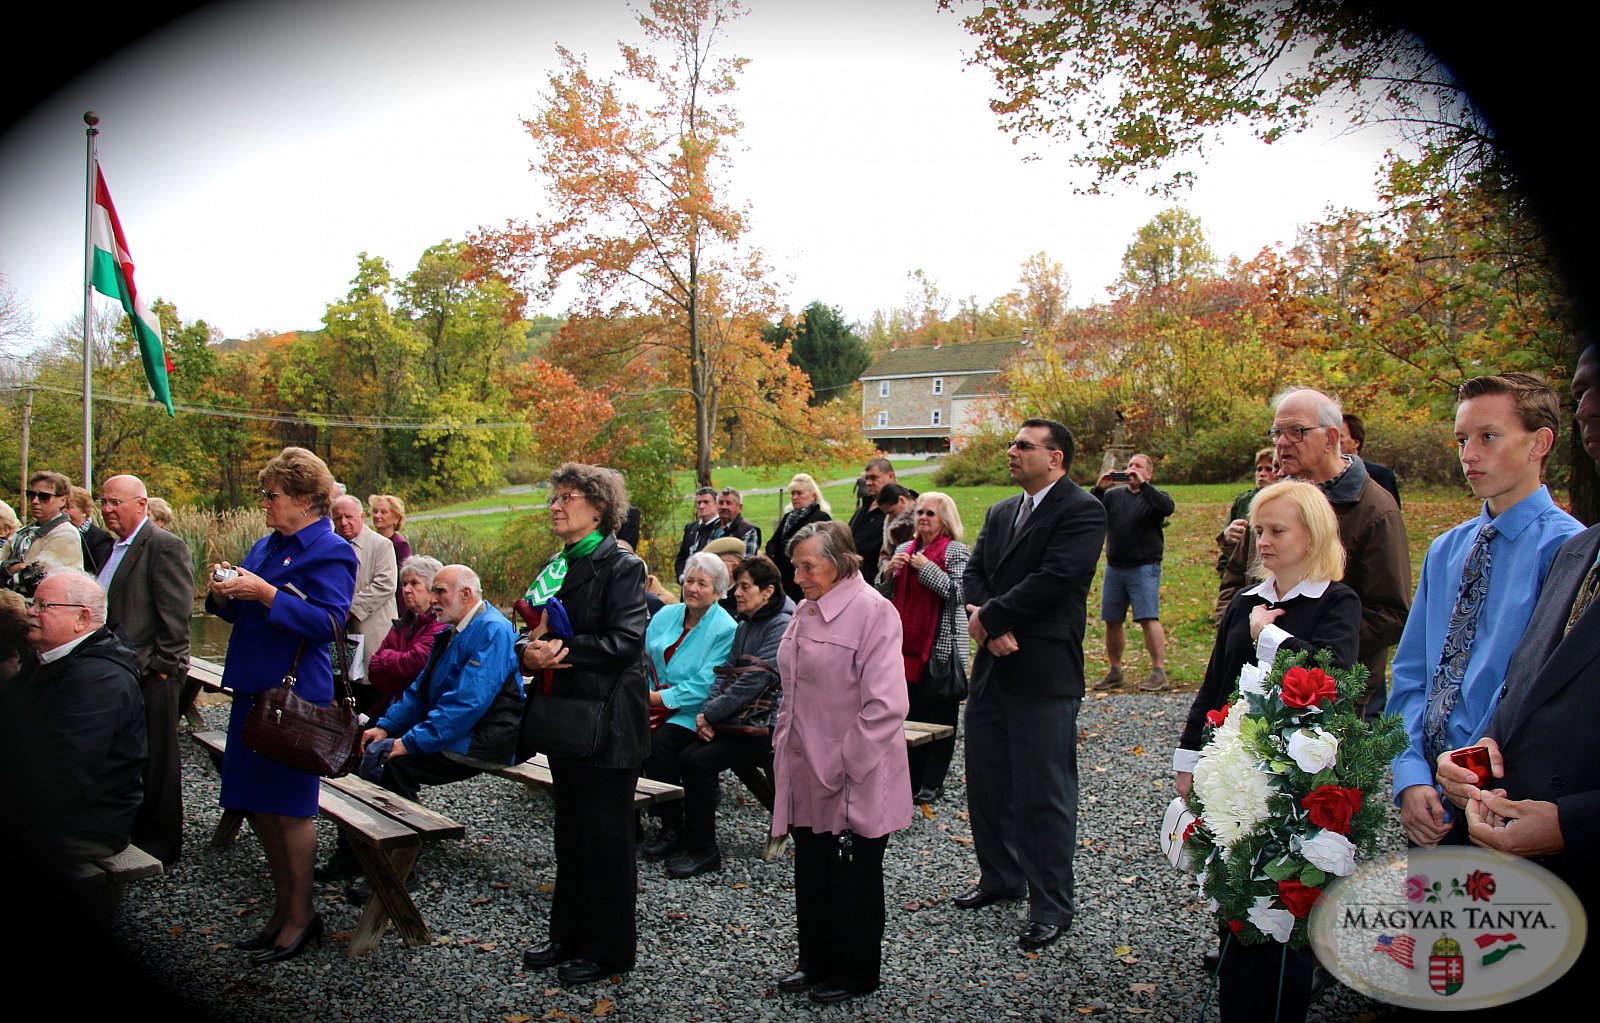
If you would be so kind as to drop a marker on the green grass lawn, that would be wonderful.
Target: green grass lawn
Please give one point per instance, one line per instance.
(1189, 579)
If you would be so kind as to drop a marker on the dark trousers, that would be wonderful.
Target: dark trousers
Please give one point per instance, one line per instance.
(667, 744)
(1268, 983)
(701, 766)
(158, 826)
(405, 776)
(593, 912)
(1022, 796)
(930, 762)
(839, 908)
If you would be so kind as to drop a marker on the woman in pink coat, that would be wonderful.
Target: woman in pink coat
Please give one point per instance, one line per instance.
(839, 756)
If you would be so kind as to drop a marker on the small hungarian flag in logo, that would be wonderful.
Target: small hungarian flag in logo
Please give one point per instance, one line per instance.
(1398, 948)
(1507, 944)
(1446, 968)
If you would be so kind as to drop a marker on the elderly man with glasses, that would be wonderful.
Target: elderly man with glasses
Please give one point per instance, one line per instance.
(52, 540)
(1305, 436)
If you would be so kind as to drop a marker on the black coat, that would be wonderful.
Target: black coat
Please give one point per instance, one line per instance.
(75, 741)
(1331, 621)
(866, 526)
(604, 597)
(778, 546)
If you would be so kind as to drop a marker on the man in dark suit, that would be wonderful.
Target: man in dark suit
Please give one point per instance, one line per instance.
(1546, 801)
(1026, 584)
(700, 531)
(149, 582)
(866, 525)
(1352, 437)
(95, 541)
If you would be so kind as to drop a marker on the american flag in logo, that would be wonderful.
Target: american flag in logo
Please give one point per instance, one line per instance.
(1397, 948)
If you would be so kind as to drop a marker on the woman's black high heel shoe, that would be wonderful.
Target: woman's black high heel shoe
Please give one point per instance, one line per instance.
(260, 941)
(312, 935)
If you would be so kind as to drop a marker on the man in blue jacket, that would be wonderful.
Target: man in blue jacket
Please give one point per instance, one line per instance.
(462, 713)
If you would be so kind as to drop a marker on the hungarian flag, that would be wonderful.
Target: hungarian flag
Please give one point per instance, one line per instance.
(1508, 944)
(112, 276)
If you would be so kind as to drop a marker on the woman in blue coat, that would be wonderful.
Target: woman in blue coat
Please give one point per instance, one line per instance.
(685, 643)
(280, 605)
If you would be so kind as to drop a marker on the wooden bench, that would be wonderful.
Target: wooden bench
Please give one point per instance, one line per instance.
(759, 780)
(535, 773)
(386, 832)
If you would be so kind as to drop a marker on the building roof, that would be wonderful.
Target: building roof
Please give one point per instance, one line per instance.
(976, 357)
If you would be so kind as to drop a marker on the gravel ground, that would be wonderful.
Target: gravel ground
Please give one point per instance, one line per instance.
(712, 947)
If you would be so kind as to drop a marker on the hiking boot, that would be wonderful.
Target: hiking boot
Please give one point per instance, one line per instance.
(1112, 680)
(1154, 682)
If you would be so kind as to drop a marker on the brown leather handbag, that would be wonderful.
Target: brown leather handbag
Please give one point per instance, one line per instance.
(317, 738)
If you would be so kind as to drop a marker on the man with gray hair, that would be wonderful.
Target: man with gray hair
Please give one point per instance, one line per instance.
(74, 729)
(1305, 436)
(731, 522)
(149, 583)
(372, 609)
(460, 716)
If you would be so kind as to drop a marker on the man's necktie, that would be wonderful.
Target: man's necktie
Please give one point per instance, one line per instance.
(1446, 687)
(1586, 592)
(1022, 515)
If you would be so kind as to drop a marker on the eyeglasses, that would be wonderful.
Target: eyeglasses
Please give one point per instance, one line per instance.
(929, 512)
(41, 606)
(564, 499)
(269, 496)
(1296, 433)
(1028, 445)
(41, 495)
(113, 502)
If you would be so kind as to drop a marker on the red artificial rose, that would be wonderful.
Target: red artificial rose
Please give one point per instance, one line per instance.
(1215, 718)
(1331, 807)
(1307, 687)
(1480, 885)
(1298, 898)
(1190, 829)
(1236, 926)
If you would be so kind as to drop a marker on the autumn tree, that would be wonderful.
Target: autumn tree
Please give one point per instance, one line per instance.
(1041, 295)
(1132, 84)
(1167, 251)
(635, 168)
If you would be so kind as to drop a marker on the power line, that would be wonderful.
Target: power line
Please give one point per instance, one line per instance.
(326, 422)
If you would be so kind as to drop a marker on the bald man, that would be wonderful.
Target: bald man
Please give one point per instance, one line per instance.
(149, 583)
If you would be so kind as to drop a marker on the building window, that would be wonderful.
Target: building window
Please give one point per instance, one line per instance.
(883, 417)
(938, 386)
(938, 417)
(883, 388)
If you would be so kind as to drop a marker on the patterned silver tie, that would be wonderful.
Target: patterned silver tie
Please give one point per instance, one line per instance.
(1022, 515)
(1446, 687)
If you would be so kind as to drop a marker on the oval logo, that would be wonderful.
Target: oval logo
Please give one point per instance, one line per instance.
(1451, 928)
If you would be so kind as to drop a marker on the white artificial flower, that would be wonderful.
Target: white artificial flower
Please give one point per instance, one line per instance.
(1313, 749)
(1231, 788)
(1275, 923)
(1330, 852)
(1252, 680)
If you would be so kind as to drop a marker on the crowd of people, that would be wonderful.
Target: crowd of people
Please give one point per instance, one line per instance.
(809, 653)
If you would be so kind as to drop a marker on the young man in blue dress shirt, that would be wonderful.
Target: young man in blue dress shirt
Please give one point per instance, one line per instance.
(1479, 584)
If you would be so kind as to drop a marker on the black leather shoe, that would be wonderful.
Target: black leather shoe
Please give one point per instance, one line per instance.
(926, 795)
(799, 980)
(688, 864)
(665, 844)
(582, 971)
(1210, 960)
(831, 994)
(309, 937)
(1037, 935)
(256, 943)
(977, 898)
(542, 957)
(341, 866)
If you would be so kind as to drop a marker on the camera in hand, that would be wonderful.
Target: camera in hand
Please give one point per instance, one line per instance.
(222, 575)
(1119, 476)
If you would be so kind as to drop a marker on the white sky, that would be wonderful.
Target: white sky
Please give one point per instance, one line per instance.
(254, 150)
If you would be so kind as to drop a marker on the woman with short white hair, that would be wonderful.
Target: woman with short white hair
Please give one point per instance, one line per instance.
(683, 646)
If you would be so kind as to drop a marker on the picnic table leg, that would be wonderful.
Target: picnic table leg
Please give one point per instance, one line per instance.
(227, 828)
(387, 870)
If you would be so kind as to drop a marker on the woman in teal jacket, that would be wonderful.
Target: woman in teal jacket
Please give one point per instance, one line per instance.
(684, 643)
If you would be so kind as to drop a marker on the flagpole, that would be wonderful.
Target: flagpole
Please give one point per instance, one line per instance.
(91, 119)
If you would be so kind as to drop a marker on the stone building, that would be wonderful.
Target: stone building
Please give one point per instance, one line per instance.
(929, 400)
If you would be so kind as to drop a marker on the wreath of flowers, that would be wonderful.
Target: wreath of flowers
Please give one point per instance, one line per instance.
(1283, 794)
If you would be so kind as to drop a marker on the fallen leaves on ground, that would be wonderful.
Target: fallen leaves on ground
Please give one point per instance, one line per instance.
(604, 1006)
